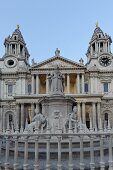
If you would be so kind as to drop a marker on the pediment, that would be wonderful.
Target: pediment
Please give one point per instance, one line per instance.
(59, 61)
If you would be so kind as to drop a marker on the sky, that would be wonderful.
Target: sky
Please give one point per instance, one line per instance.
(50, 24)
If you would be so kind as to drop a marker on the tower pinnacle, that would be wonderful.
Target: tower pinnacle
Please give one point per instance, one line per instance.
(97, 24)
(18, 26)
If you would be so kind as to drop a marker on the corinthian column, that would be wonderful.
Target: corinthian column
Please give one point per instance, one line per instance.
(37, 84)
(32, 110)
(78, 83)
(68, 83)
(83, 113)
(17, 114)
(82, 83)
(47, 84)
(98, 114)
(94, 114)
(33, 84)
(22, 115)
(78, 111)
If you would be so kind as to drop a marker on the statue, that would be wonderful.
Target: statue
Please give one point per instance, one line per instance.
(72, 117)
(38, 119)
(57, 81)
(57, 52)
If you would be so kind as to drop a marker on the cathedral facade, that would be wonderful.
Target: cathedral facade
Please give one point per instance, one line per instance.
(22, 86)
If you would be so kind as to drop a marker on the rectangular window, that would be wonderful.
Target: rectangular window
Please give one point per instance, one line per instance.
(86, 87)
(29, 88)
(105, 87)
(10, 89)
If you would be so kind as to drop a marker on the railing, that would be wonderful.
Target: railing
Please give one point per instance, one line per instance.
(84, 149)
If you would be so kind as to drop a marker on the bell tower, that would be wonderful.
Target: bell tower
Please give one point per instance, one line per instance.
(16, 46)
(100, 43)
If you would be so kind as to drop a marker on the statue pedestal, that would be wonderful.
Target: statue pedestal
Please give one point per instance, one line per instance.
(56, 109)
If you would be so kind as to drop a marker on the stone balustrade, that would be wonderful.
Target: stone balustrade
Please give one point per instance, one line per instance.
(81, 149)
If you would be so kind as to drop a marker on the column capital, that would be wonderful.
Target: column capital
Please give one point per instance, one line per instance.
(94, 102)
(98, 102)
(79, 102)
(83, 102)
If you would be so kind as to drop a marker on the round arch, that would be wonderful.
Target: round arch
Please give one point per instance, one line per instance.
(106, 116)
(9, 118)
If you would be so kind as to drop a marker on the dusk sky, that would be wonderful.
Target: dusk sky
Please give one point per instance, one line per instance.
(50, 24)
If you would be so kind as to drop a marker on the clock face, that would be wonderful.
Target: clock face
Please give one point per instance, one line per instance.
(105, 60)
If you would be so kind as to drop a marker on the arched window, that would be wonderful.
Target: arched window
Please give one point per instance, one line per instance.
(106, 119)
(10, 121)
(99, 35)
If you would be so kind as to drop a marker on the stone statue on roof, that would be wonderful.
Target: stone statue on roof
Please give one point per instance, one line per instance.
(57, 52)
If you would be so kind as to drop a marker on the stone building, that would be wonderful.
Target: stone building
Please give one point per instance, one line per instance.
(22, 85)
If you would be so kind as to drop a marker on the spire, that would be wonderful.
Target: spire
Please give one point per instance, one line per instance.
(97, 44)
(97, 24)
(97, 32)
(18, 33)
(16, 46)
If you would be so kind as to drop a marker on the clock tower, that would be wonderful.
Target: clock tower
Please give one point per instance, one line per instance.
(99, 50)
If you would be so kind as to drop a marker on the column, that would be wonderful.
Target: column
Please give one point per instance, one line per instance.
(68, 83)
(15, 49)
(17, 114)
(6, 165)
(47, 84)
(6, 49)
(82, 83)
(79, 111)
(1, 142)
(25, 165)
(4, 128)
(11, 48)
(91, 50)
(37, 107)
(18, 48)
(83, 113)
(108, 47)
(59, 166)
(15, 165)
(36, 165)
(37, 84)
(92, 164)
(110, 153)
(70, 154)
(22, 115)
(1, 119)
(94, 114)
(48, 154)
(98, 114)
(91, 84)
(81, 154)
(33, 84)
(99, 47)
(78, 83)
(32, 110)
(102, 163)
(96, 47)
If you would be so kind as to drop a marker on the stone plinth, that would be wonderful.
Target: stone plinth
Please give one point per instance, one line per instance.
(56, 109)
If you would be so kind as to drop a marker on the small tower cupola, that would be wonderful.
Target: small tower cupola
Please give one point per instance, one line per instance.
(100, 43)
(16, 46)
